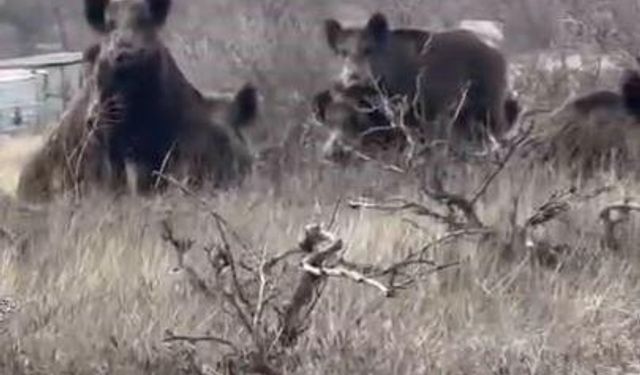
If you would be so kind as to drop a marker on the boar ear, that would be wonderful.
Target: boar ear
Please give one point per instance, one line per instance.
(332, 31)
(378, 28)
(94, 12)
(244, 108)
(159, 11)
(320, 104)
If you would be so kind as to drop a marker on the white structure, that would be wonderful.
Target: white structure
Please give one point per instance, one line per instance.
(35, 90)
(551, 61)
(491, 32)
(568, 62)
(20, 92)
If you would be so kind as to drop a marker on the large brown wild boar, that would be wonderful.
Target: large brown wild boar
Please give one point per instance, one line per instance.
(137, 109)
(435, 70)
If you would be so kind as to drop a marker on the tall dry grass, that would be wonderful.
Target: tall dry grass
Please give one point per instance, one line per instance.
(95, 291)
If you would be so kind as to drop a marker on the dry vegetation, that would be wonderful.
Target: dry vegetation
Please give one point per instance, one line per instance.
(105, 293)
(536, 274)
(14, 152)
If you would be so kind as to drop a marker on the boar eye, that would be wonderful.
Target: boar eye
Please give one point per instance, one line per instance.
(367, 51)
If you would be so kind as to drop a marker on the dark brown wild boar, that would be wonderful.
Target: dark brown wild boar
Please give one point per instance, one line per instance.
(600, 129)
(435, 71)
(137, 109)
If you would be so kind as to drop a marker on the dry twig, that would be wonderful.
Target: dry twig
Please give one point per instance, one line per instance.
(171, 337)
(320, 249)
(501, 165)
(398, 205)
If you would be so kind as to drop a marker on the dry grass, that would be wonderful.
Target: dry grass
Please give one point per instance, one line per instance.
(14, 153)
(95, 292)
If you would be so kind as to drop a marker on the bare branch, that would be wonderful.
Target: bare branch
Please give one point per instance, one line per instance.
(464, 94)
(171, 337)
(164, 164)
(459, 202)
(334, 214)
(384, 166)
(346, 273)
(501, 165)
(306, 291)
(260, 304)
(560, 202)
(182, 247)
(449, 236)
(430, 272)
(417, 258)
(398, 205)
(268, 265)
(221, 222)
(396, 111)
(232, 299)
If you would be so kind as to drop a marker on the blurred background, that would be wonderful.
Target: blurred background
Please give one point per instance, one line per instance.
(556, 47)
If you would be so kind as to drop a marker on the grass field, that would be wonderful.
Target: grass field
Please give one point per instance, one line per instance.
(92, 288)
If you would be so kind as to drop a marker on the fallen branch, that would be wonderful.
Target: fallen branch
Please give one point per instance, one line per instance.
(398, 205)
(306, 293)
(320, 250)
(348, 274)
(170, 337)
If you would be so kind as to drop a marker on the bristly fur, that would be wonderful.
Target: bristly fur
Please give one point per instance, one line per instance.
(143, 113)
(593, 131)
